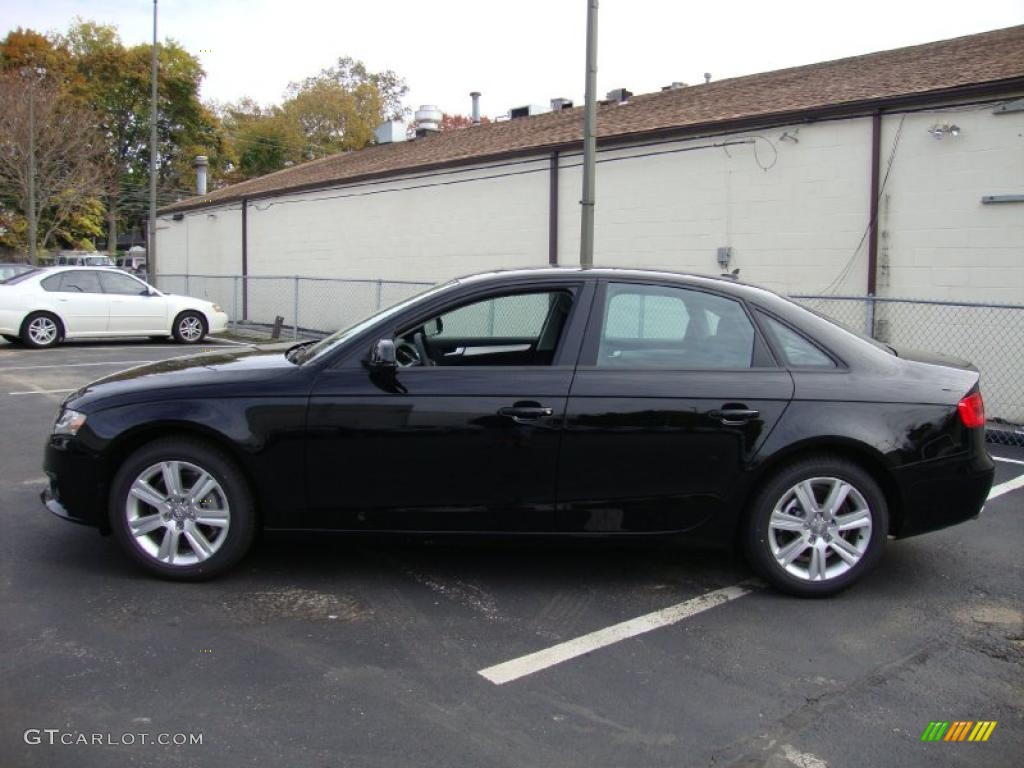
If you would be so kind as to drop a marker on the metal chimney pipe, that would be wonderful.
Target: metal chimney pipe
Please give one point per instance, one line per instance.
(201, 164)
(475, 95)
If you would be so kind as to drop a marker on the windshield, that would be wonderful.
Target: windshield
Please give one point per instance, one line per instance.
(98, 261)
(313, 351)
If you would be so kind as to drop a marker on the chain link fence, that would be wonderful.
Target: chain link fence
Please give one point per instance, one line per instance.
(309, 306)
(991, 336)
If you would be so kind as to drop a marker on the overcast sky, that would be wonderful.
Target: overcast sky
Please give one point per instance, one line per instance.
(518, 52)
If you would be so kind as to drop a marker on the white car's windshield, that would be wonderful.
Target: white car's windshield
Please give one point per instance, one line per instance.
(313, 351)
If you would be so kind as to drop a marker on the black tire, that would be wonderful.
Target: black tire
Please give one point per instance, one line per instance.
(183, 325)
(32, 336)
(800, 577)
(233, 494)
(12, 339)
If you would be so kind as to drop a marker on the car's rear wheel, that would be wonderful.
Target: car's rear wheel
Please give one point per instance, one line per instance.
(41, 330)
(189, 328)
(816, 527)
(182, 509)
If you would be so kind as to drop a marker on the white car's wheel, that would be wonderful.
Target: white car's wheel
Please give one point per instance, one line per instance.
(189, 328)
(41, 330)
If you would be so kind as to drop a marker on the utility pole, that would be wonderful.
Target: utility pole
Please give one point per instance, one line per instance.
(589, 141)
(151, 229)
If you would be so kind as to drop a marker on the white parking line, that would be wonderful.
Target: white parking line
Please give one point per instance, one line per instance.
(75, 365)
(1009, 485)
(1008, 461)
(556, 654)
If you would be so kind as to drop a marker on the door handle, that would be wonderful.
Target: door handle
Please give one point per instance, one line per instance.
(521, 412)
(734, 416)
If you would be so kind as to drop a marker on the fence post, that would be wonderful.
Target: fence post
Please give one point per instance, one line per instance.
(380, 293)
(295, 309)
(869, 316)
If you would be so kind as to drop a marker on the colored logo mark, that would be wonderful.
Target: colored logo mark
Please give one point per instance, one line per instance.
(958, 730)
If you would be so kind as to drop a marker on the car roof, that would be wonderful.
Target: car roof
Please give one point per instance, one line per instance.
(723, 283)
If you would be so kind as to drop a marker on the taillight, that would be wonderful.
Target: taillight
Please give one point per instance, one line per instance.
(972, 410)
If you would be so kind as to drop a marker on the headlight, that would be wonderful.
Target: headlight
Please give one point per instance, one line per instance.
(216, 308)
(68, 422)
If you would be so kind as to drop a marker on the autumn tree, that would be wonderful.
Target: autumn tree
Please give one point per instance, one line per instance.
(455, 122)
(264, 139)
(338, 109)
(39, 122)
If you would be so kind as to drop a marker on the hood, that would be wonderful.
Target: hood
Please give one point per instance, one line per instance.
(189, 376)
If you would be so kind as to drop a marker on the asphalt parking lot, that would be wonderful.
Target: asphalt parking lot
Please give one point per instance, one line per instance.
(339, 651)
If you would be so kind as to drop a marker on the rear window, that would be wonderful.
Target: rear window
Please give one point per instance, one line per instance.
(22, 277)
(797, 351)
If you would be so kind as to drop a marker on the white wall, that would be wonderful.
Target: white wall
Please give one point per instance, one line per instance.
(793, 213)
(206, 242)
(937, 238)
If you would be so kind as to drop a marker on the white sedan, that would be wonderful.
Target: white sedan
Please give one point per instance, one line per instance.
(45, 306)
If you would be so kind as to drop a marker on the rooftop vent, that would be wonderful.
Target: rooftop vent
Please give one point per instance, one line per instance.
(428, 120)
(707, 77)
(557, 105)
(620, 95)
(475, 96)
(526, 111)
(390, 132)
(675, 85)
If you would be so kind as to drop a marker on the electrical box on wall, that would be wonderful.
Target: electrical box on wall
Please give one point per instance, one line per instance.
(724, 256)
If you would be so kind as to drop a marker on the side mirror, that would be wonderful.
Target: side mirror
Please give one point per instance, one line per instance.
(383, 354)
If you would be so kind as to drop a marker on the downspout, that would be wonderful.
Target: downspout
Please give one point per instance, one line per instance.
(245, 258)
(876, 155)
(553, 212)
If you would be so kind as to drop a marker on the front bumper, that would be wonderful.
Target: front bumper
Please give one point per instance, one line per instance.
(218, 322)
(77, 490)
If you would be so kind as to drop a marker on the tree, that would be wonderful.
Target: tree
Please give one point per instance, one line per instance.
(263, 139)
(38, 121)
(455, 122)
(338, 109)
(114, 82)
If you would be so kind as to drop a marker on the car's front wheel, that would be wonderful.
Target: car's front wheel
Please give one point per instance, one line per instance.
(182, 509)
(189, 328)
(816, 527)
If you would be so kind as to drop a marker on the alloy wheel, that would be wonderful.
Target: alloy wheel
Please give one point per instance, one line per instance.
(190, 328)
(178, 513)
(820, 529)
(42, 331)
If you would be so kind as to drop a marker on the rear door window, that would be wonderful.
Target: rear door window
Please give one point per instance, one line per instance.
(81, 281)
(650, 326)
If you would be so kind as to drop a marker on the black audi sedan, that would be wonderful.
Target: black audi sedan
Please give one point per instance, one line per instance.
(554, 401)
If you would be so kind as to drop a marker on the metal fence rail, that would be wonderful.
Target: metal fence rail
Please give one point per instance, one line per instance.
(989, 335)
(309, 305)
